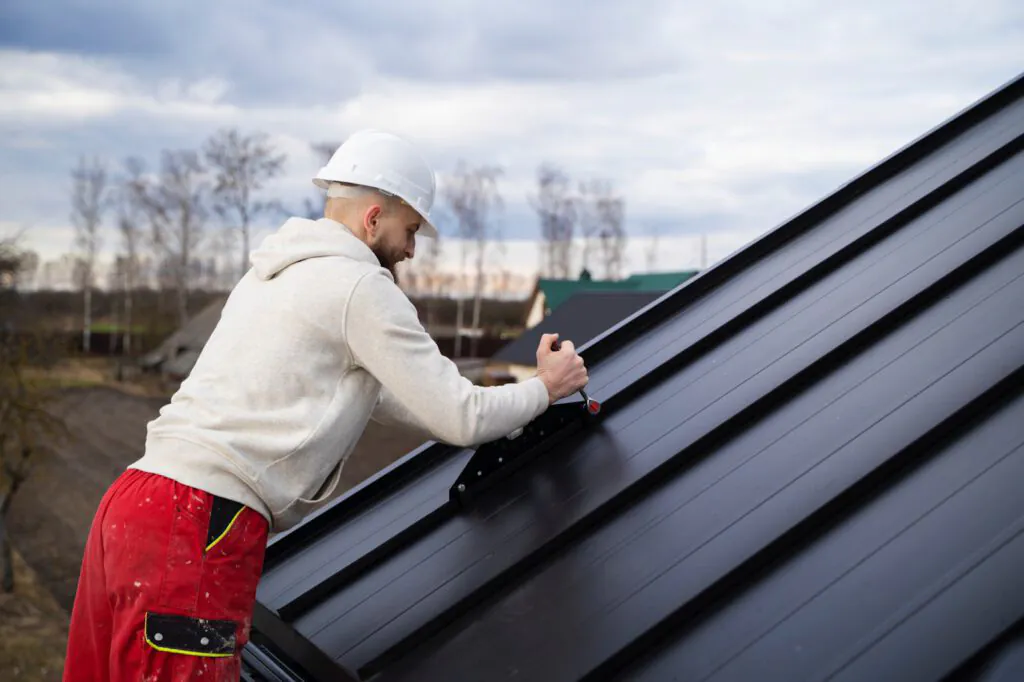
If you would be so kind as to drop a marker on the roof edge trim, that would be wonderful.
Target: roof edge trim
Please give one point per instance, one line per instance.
(307, 655)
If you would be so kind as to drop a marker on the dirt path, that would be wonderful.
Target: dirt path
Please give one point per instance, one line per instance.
(51, 514)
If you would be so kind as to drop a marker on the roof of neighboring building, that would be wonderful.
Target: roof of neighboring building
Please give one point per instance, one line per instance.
(580, 318)
(808, 466)
(557, 291)
(188, 340)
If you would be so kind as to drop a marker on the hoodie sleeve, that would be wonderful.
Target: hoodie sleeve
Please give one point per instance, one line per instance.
(386, 338)
(390, 412)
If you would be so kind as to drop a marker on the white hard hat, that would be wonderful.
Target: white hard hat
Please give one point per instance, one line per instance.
(388, 163)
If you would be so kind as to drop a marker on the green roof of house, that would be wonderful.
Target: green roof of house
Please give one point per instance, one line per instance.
(557, 291)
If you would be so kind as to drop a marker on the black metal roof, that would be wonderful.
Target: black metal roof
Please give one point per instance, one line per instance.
(583, 316)
(808, 466)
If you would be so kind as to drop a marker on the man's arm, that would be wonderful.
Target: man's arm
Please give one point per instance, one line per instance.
(386, 338)
(390, 412)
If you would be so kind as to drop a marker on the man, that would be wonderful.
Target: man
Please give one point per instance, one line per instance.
(315, 340)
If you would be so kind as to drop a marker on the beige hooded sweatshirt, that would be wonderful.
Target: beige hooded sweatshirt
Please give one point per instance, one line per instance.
(315, 340)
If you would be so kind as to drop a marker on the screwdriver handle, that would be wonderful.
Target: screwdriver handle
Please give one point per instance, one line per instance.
(593, 407)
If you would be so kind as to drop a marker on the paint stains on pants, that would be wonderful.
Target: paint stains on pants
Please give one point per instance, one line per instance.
(167, 585)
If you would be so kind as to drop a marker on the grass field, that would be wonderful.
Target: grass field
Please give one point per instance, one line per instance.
(95, 372)
(107, 327)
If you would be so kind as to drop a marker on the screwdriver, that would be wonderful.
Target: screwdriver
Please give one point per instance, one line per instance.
(593, 407)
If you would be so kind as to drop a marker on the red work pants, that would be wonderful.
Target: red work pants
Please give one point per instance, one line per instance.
(167, 585)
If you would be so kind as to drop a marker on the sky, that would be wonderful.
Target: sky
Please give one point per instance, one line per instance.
(719, 119)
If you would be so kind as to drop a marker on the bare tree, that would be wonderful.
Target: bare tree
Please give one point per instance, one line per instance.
(47, 275)
(23, 414)
(18, 267)
(176, 206)
(10, 263)
(88, 202)
(473, 195)
(589, 221)
(223, 245)
(26, 275)
(432, 278)
(80, 275)
(242, 165)
(211, 274)
(652, 250)
(611, 209)
(130, 218)
(459, 280)
(557, 210)
(147, 271)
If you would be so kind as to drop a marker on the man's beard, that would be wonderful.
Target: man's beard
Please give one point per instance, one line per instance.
(386, 261)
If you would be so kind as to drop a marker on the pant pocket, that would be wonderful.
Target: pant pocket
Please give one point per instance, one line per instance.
(224, 514)
(190, 635)
(179, 647)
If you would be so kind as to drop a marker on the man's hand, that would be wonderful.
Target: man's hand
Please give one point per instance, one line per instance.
(562, 371)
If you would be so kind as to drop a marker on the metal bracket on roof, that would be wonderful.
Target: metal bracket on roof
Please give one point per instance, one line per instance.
(498, 459)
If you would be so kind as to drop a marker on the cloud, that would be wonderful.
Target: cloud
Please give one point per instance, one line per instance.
(707, 116)
(123, 29)
(52, 89)
(270, 52)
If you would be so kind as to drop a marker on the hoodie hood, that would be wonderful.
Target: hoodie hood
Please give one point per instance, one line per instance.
(301, 238)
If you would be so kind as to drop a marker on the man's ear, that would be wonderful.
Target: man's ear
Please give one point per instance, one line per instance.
(371, 220)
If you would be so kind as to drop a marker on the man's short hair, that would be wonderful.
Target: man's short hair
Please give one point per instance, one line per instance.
(343, 190)
(346, 191)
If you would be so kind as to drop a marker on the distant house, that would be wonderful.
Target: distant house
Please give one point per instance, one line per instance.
(175, 357)
(549, 294)
(580, 318)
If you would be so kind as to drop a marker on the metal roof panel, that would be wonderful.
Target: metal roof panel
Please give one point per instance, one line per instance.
(807, 465)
